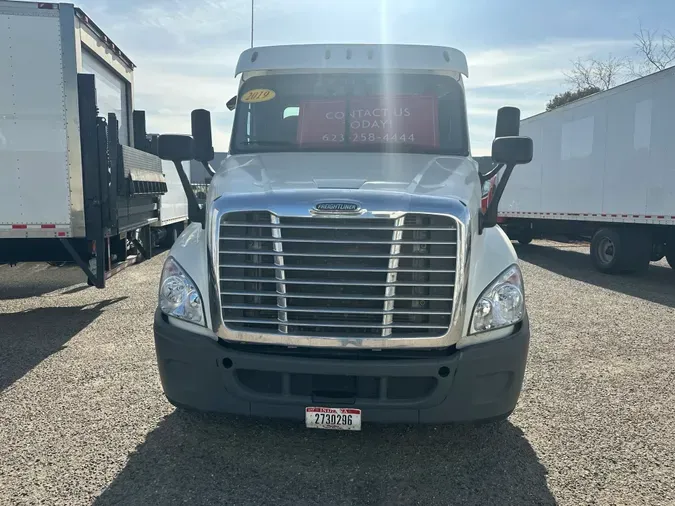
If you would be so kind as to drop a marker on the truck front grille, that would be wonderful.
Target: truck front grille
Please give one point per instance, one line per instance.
(343, 277)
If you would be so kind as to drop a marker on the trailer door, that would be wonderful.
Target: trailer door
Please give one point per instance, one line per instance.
(34, 160)
(111, 92)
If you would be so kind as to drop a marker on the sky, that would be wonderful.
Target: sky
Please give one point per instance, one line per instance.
(517, 50)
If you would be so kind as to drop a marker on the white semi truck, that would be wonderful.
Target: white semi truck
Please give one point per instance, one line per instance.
(80, 181)
(603, 170)
(341, 269)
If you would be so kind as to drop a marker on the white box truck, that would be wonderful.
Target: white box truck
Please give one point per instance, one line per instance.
(79, 181)
(342, 270)
(173, 207)
(603, 169)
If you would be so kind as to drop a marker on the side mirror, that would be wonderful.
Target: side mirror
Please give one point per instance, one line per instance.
(179, 149)
(508, 150)
(232, 103)
(175, 147)
(508, 122)
(512, 150)
(201, 133)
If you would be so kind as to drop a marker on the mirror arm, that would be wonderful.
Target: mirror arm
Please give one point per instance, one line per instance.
(195, 212)
(489, 219)
(489, 175)
(208, 168)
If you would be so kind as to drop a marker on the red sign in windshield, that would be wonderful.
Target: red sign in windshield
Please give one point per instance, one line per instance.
(407, 119)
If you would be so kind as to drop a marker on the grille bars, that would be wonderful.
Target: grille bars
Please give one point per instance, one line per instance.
(280, 275)
(390, 291)
(260, 284)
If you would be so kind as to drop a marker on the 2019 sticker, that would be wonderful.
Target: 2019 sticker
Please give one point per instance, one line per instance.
(255, 96)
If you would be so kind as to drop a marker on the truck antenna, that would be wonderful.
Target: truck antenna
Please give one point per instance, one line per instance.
(252, 9)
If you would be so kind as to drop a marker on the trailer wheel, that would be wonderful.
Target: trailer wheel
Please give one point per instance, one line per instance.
(606, 250)
(525, 236)
(638, 250)
(616, 250)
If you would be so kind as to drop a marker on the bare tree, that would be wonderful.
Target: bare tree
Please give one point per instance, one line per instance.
(657, 53)
(592, 73)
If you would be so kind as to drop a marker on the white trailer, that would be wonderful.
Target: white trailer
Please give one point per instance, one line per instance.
(173, 206)
(78, 179)
(603, 169)
(43, 48)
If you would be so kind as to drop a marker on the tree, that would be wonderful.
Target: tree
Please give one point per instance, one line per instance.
(592, 73)
(656, 53)
(570, 96)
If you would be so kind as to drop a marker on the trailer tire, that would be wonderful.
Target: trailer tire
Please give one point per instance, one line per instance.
(525, 236)
(605, 250)
(615, 250)
(639, 244)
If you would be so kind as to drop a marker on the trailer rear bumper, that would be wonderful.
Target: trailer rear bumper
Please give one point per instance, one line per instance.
(476, 383)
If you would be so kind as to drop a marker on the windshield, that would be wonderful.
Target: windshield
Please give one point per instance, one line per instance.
(418, 113)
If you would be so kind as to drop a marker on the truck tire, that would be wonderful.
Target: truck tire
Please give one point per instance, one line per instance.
(616, 250)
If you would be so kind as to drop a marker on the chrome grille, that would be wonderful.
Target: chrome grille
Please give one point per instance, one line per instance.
(343, 277)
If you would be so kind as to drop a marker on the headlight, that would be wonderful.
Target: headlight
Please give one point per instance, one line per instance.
(501, 304)
(486, 188)
(178, 295)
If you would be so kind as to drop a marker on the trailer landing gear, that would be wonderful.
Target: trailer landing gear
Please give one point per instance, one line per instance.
(112, 256)
(93, 279)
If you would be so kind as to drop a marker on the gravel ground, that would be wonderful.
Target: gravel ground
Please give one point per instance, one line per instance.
(83, 419)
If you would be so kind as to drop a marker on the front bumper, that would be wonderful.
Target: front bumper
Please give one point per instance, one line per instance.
(475, 383)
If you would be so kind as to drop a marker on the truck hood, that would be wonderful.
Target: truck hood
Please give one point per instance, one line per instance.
(448, 176)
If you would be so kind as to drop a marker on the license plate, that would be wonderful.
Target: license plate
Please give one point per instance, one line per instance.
(333, 418)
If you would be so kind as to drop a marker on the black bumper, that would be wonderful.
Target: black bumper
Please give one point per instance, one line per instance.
(478, 382)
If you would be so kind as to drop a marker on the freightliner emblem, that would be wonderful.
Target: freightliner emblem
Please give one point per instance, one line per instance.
(337, 207)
